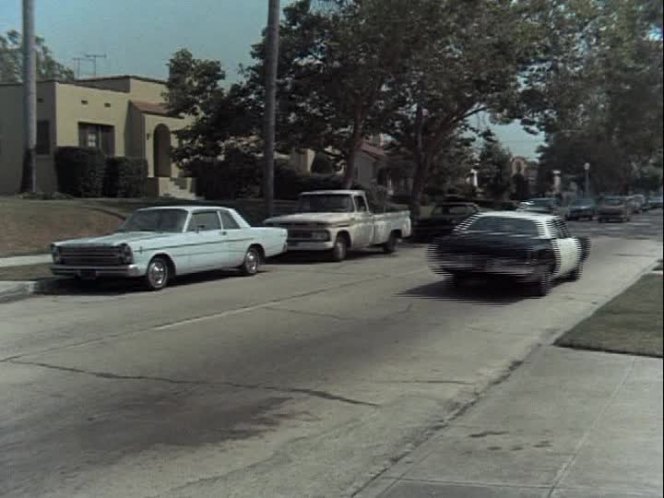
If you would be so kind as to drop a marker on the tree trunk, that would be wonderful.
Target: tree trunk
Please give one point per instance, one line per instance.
(349, 172)
(419, 179)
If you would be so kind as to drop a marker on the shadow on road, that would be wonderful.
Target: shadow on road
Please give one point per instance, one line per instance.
(490, 292)
(117, 287)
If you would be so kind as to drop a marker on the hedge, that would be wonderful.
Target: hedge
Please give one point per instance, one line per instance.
(125, 177)
(80, 171)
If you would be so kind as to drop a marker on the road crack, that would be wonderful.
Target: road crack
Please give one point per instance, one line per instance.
(315, 393)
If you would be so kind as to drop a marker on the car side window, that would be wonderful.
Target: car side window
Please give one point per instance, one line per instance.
(228, 221)
(361, 204)
(204, 221)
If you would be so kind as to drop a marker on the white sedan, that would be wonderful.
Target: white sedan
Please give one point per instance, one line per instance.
(159, 243)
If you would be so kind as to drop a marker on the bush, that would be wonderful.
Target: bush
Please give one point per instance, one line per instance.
(238, 176)
(322, 165)
(80, 171)
(125, 177)
(289, 184)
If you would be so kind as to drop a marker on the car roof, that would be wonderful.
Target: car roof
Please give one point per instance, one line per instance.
(523, 215)
(187, 207)
(334, 192)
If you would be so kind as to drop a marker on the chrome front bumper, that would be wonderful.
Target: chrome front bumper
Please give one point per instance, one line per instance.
(126, 271)
(298, 245)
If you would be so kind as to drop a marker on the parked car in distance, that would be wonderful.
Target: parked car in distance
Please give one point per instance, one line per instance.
(637, 203)
(160, 243)
(656, 202)
(444, 217)
(614, 207)
(542, 205)
(526, 248)
(582, 208)
(338, 221)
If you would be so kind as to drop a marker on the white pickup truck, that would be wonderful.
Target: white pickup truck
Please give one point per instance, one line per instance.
(337, 221)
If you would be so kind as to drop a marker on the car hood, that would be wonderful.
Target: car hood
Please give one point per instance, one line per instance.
(440, 220)
(311, 218)
(115, 239)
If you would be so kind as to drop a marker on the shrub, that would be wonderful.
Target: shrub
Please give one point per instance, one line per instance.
(125, 177)
(80, 171)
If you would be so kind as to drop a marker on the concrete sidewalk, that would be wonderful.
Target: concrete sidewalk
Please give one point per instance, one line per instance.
(565, 424)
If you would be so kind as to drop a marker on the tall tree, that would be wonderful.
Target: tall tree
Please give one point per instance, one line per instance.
(468, 61)
(11, 62)
(337, 59)
(495, 168)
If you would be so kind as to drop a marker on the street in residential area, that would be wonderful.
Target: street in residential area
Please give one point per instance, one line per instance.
(310, 379)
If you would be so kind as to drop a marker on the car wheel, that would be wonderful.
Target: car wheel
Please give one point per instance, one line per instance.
(391, 245)
(340, 249)
(542, 287)
(251, 263)
(576, 274)
(157, 274)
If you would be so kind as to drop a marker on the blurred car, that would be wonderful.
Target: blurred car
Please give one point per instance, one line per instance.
(582, 208)
(542, 205)
(444, 218)
(614, 207)
(655, 202)
(637, 203)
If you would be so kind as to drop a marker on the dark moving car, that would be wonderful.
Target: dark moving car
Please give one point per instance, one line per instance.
(531, 249)
(444, 217)
(582, 208)
(614, 207)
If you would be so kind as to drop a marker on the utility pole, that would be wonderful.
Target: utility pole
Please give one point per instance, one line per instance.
(93, 58)
(271, 63)
(29, 176)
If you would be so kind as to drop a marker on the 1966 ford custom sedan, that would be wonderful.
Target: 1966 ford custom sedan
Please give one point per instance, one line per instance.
(157, 244)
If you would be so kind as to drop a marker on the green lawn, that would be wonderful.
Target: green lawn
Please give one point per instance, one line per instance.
(29, 226)
(630, 324)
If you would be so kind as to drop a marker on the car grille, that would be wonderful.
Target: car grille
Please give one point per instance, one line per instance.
(90, 256)
(299, 234)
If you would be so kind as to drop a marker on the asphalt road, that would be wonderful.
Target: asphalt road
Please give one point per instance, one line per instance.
(307, 380)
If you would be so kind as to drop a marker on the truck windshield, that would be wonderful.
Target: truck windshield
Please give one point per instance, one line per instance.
(328, 203)
(155, 220)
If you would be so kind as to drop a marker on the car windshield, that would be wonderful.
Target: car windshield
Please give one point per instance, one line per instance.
(155, 220)
(444, 209)
(613, 201)
(504, 224)
(332, 203)
(582, 202)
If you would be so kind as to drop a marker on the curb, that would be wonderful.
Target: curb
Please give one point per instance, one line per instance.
(17, 291)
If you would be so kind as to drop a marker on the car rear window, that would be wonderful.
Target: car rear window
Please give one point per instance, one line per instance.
(504, 224)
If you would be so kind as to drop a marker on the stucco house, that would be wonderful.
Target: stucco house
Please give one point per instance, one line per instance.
(121, 115)
(370, 159)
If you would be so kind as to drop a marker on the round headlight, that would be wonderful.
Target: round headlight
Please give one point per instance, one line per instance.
(55, 253)
(126, 255)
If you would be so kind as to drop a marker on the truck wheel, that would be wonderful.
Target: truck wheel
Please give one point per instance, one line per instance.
(340, 249)
(156, 275)
(391, 245)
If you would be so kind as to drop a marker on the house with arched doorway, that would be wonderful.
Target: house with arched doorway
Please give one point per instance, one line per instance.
(120, 115)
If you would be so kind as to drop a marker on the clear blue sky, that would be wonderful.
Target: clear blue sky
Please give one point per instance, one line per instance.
(139, 36)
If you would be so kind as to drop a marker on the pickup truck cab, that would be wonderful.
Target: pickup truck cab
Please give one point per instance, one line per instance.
(527, 248)
(338, 221)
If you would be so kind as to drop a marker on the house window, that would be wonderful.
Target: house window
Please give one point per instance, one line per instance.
(96, 136)
(43, 146)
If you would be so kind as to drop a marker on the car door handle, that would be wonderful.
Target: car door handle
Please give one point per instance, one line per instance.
(224, 232)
